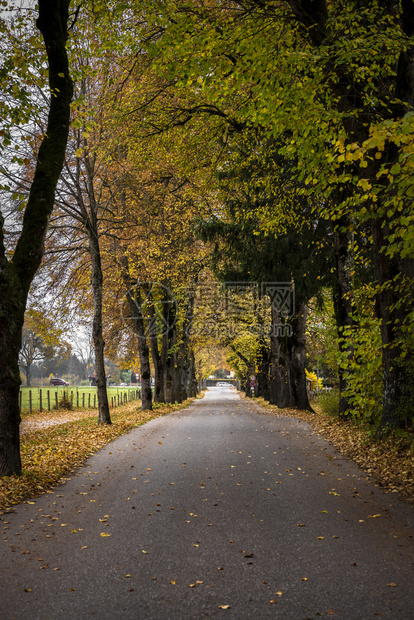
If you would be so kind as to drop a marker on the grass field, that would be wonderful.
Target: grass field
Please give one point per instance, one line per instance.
(52, 397)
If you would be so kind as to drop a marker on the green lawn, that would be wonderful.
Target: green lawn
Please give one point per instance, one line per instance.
(82, 397)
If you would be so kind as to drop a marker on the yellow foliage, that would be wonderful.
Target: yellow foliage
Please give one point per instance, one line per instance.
(314, 380)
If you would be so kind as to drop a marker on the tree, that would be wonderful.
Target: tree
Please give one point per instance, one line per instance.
(18, 269)
(41, 340)
(336, 80)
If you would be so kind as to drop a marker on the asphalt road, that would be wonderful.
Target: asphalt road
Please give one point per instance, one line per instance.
(219, 511)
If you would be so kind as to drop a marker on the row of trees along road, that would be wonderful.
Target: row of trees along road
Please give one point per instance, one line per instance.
(280, 133)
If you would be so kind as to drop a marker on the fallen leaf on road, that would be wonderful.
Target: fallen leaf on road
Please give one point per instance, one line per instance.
(392, 585)
(173, 582)
(144, 551)
(224, 606)
(104, 534)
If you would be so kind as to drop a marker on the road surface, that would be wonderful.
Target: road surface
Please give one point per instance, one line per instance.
(222, 510)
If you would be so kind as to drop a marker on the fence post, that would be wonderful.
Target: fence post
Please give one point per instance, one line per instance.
(83, 400)
(89, 400)
(40, 400)
(94, 400)
(56, 399)
(48, 400)
(77, 398)
(30, 401)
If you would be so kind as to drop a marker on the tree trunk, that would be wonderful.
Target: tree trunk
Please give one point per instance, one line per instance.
(394, 309)
(279, 387)
(104, 416)
(135, 305)
(183, 361)
(343, 298)
(27, 371)
(16, 275)
(159, 396)
(193, 378)
(299, 394)
(262, 375)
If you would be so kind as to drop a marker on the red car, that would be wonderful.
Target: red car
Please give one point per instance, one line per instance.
(56, 381)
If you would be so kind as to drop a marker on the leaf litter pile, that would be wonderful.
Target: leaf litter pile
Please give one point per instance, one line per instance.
(51, 449)
(389, 462)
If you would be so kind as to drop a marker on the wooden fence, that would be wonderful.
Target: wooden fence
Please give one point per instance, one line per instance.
(48, 399)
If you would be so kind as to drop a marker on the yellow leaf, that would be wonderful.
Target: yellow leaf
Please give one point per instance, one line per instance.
(392, 585)
(28, 589)
(173, 582)
(144, 551)
(104, 534)
(224, 606)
